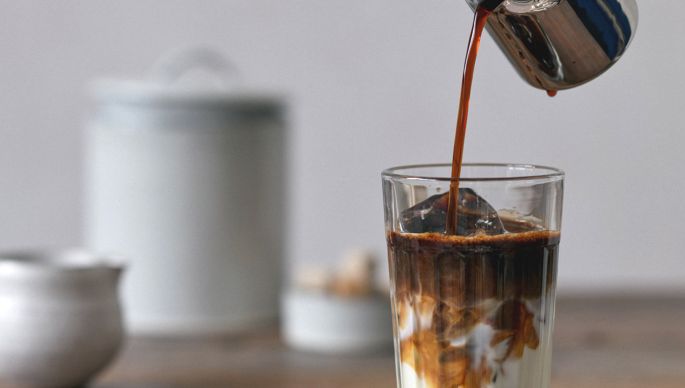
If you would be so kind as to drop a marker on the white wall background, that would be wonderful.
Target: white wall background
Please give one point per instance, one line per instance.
(373, 84)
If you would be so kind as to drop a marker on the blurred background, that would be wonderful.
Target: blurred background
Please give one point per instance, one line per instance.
(371, 84)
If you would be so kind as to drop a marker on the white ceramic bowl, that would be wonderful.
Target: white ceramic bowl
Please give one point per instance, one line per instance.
(60, 319)
(316, 321)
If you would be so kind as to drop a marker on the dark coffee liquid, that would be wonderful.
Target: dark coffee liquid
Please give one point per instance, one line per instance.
(468, 308)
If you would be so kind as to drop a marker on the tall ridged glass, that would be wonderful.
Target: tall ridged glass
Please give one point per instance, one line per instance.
(475, 309)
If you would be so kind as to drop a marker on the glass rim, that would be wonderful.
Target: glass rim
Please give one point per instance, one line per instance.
(537, 172)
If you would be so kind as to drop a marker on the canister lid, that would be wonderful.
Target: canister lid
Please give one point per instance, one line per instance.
(196, 78)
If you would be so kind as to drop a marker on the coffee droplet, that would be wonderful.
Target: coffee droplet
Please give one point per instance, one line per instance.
(551, 93)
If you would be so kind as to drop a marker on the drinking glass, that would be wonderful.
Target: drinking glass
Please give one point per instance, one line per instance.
(474, 309)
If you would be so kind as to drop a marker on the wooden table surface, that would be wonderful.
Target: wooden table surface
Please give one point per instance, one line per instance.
(599, 343)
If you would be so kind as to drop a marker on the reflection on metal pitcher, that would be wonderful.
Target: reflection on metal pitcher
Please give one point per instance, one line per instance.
(559, 44)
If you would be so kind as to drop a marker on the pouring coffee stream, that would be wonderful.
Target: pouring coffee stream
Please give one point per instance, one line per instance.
(553, 44)
(479, 20)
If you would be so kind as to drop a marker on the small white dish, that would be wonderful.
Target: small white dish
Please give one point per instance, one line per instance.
(327, 323)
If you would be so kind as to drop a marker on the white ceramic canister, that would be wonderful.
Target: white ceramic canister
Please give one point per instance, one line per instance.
(187, 180)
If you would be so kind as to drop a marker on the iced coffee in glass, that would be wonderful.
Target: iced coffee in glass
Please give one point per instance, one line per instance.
(473, 308)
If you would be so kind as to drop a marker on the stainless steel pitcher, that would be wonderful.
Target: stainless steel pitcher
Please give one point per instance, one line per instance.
(560, 44)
